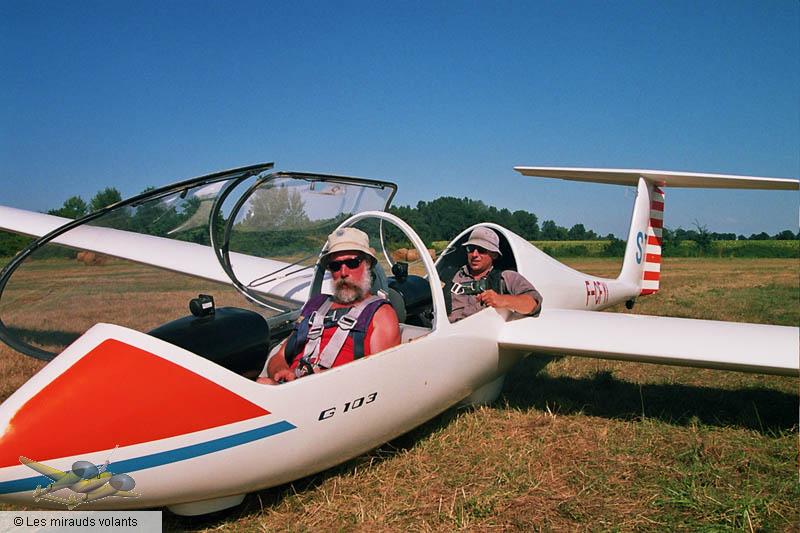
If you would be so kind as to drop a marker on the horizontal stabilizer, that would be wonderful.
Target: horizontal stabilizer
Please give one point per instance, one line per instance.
(669, 179)
(653, 339)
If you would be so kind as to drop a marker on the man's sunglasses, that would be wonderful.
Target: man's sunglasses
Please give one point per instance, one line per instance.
(472, 247)
(335, 266)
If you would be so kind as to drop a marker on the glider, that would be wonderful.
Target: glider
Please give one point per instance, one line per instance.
(177, 397)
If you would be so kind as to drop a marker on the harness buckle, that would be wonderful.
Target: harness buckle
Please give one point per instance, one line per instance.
(471, 288)
(315, 332)
(304, 368)
(347, 322)
(457, 288)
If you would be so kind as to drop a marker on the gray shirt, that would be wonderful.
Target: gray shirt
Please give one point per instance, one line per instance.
(465, 305)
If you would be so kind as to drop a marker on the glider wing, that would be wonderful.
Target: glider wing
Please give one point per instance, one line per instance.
(653, 339)
(170, 254)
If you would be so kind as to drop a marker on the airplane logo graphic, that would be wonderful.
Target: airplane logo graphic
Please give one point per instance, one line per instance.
(86, 481)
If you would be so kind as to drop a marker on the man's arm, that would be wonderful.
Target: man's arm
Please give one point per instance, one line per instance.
(277, 369)
(523, 304)
(522, 297)
(385, 330)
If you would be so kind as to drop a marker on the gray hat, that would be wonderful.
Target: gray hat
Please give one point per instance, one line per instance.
(485, 238)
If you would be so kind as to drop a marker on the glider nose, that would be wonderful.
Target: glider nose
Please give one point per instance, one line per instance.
(41, 420)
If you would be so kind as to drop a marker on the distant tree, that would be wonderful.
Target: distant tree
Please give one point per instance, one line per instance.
(577, 233)
(526, 224)
(760, 236)
(104, 198)
(703, 238)
(615, 247)
(445, 217)
(723, 236)
(74, 207)
(549, 230)
(670, 240)
(276, 207)
(685, 234)
(785, 235)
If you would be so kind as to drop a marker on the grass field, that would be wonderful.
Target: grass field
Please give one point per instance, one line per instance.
(572, 444)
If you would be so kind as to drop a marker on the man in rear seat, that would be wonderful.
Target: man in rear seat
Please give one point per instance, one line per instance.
(478, 284)
(334, 330)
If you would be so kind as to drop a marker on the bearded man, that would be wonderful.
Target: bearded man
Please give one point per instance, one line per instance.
(336, 329)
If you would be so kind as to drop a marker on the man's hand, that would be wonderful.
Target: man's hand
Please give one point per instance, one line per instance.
(281, 376)
(519, 303)
(490, 298)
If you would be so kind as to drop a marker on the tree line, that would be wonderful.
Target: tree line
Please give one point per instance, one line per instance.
(445, 217)
(437, 220)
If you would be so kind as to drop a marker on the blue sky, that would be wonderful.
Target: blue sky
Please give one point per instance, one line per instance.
(444, 98)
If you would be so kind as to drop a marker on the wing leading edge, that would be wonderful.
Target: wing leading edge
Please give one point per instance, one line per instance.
(652, 339)
(170, 254)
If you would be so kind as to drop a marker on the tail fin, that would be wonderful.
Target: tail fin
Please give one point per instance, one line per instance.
(642, 264)
(652, 252)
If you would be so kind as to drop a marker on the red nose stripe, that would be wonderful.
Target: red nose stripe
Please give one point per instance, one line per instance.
(118, 394)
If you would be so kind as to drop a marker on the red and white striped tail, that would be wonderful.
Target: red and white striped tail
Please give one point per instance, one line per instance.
(652, 258)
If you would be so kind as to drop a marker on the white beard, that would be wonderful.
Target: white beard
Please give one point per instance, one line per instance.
(347, 291)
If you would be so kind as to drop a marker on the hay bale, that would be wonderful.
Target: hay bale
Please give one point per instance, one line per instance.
(400, 254)
(99, 260)
(92, 258)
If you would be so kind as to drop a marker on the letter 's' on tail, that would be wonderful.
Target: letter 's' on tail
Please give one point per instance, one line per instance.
(642, 264)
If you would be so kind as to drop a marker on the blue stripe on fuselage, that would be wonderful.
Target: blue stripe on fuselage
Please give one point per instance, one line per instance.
(163, 458)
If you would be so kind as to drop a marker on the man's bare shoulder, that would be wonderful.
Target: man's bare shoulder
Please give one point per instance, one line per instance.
(386, 315)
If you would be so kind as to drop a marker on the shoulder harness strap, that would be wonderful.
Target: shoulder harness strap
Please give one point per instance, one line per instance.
(497, 282)
(300, 334)
(346, 326)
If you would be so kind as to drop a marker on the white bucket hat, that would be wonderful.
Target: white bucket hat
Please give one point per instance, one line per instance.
(485, 238)
(348, 240)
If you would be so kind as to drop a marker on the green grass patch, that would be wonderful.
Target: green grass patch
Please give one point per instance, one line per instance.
(756, 249)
